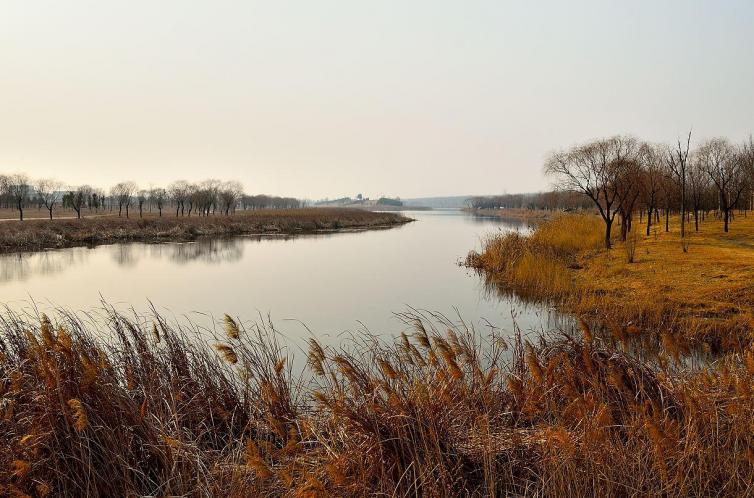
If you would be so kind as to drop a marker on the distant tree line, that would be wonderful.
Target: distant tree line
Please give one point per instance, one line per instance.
(622, 177)
(361, 200)
(553, 200)
(270, 202)
(209, 197)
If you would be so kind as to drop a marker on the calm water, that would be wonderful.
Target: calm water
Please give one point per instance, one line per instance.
(331, 283)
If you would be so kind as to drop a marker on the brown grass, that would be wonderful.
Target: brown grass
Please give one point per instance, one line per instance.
(440, 412)
(45, 234)
(41, 213)
(536, 266)
(705, 294)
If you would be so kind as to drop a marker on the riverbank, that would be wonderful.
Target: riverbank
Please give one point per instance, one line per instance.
(441, 411)
(530, 215)
(34, 235)
(703, 295)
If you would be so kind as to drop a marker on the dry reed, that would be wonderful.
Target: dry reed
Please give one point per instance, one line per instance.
(442, 411)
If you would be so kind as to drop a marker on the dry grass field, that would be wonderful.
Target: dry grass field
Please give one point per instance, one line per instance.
(42, 214)
(45, 234)
(702, 289)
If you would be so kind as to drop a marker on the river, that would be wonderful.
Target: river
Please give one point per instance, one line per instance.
(325, 285)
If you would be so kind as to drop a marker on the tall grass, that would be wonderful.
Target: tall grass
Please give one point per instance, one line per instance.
(568, 234)
(536, 266)
(441, 411)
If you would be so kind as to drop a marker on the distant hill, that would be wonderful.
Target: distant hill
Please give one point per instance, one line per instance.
(458, 201)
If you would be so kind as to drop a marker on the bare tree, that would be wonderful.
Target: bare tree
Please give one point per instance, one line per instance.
(699, 183)
(229, 194)
(49, 192)
(209, 194)
(670, 194)
(141, 198)
(746, 155)
(191, 197)
(629, 189)
(18, 188)
(178, 191)
(158, 196)
(677, 161)
(651, 179)
(123, 192)
(726, 168)
(97, 197)
(78, 198)
(596, 171)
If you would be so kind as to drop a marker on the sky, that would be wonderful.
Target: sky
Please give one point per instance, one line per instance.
(331, 98)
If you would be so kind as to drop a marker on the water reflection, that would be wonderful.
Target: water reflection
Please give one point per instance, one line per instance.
(22, 266)
(645, 345)
(213, 251)
(124, 255)
(509, 223)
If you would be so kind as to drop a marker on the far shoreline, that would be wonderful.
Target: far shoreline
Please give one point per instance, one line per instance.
(530, 215)
(41, 235)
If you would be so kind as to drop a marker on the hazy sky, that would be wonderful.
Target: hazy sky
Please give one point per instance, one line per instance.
(328, 98)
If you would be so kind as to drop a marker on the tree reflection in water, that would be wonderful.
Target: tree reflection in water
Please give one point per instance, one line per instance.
(212, 251)
(21, 266)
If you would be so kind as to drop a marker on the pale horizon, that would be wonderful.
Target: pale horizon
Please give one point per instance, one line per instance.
(426, 99)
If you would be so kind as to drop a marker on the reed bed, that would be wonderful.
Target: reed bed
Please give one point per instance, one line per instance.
(34, 235)
(133, 406)
(536, 266)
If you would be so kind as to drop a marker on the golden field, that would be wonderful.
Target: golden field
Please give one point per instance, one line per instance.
(702, 288)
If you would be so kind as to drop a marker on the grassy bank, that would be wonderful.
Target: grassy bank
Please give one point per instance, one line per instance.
(45, 234)
(704, 294)
(440, 412)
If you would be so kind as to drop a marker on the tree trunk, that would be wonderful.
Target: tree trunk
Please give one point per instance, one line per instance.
(50, 212)
(649, 220)
(667, 219)
(725, 220)
(683, 207)
(608, 230)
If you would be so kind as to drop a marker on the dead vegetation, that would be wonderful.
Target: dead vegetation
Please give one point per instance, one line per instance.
(46, 234)
(701, 291)
(442, 411)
